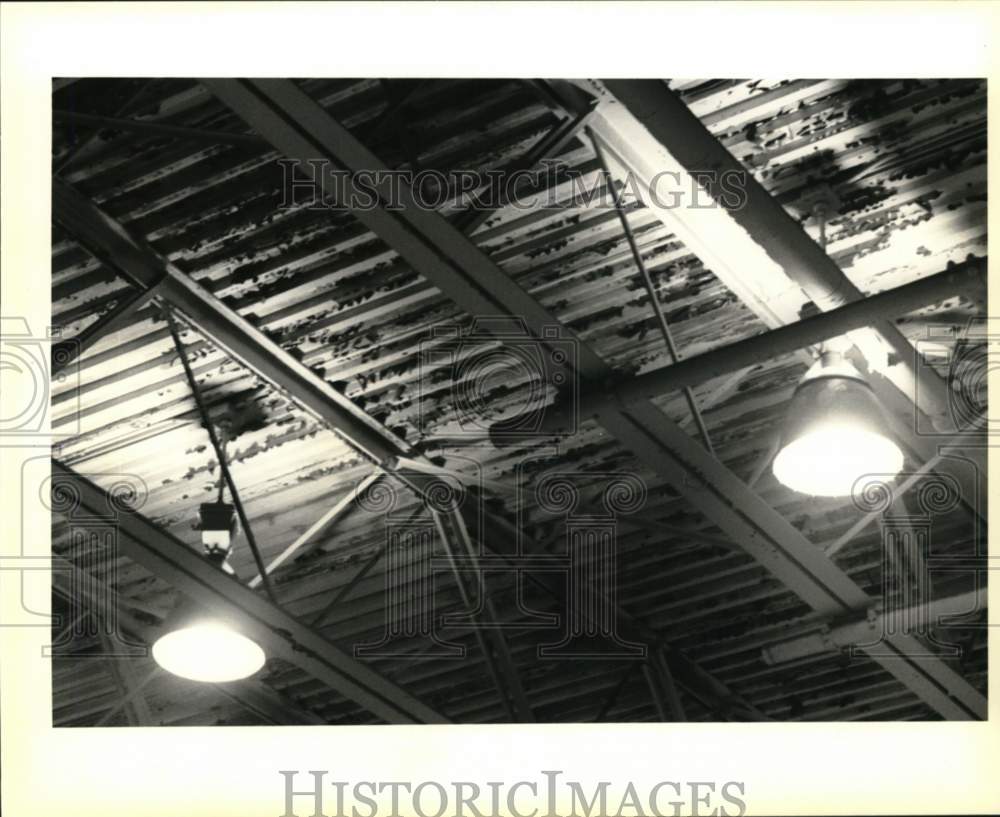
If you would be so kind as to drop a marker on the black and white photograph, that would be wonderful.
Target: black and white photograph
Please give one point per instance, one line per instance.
(482, 400)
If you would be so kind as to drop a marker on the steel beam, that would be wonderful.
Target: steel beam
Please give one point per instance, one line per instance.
(132, 695)
(137, 710)
(157, 129)
(654, 300)
(65, 352)
(220, 456)
(484, 619)
(969, 276)
(665, 681)
(868, 629)
(549, 145)
(767, 536)
(278, 633)
(301, 129)
(751, 244)
(268, 704)
(304, 543)
(82, 148)
(110, 242)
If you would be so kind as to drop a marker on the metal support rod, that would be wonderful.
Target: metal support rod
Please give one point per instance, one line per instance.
(77, 151)
(133, 257)
(656, 692)
(652, 130)
(356, 579)
(647, 282)
(514, 686)
(130, 714)
(670, 691)
(132, 693)
(424, 467)
(64, 633)
(463, 591)
(139, 703)
(123, 673)
(221, 456)
(653, 135)
(330, 518)
(765, 460)
(612, 698)
(475, 214)
(721, 393)
(158, 129)
(849, 535)
(66, 352)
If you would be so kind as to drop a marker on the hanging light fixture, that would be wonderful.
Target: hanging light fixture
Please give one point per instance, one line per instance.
(834, 433)
(204, 646)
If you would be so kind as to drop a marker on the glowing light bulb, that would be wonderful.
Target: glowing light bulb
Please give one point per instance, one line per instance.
(208, 651)
(828, 460)
(833, 436)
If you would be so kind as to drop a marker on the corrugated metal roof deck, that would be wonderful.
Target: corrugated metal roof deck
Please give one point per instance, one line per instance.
(906, 157)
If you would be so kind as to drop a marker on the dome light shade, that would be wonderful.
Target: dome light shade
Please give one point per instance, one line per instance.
(201, 645)
(209, 651)
(834, 433)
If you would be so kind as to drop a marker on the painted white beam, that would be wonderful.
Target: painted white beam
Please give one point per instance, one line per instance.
(754, 247)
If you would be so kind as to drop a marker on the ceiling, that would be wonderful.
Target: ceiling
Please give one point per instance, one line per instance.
(187, 175)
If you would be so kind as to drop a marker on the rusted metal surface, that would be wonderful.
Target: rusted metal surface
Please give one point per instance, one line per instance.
(907, 159)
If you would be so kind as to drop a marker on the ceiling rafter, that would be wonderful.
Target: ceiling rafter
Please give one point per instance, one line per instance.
(112, 243)
(301, 129)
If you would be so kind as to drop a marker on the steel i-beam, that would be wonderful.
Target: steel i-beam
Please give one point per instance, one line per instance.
(301, 129)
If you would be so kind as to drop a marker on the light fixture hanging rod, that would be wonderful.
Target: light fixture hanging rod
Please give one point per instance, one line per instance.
(650, 289)
(220, 455)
